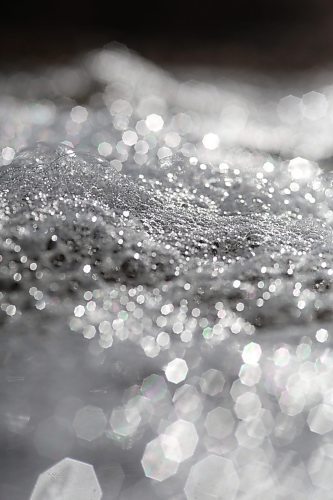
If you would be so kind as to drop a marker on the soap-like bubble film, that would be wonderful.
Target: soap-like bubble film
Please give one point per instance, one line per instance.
(166, 284)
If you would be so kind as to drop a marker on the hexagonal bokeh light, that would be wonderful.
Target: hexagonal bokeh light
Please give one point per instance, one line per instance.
(212, 477)
(67, 479)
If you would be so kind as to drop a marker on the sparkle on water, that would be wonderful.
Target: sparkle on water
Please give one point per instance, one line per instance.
(166, 285)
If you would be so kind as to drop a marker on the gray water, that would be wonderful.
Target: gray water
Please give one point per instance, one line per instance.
(166, 271)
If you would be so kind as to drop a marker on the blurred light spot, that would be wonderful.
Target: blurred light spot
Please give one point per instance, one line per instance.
(154, 462)
(219, 423)
(8, 154)
(251, 353)
(213, 477)
(211, 141)
(320, 419)
(301, 169)
(130, 137)
(289, 109)
(154, 122)
(322, 335)
(79, 114)
(212, 382)
(89, 423)
(67, 480)
(104, 149)
(314, 105)
(176, 371)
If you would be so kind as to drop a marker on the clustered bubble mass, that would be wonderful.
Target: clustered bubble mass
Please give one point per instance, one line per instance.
(166, 284)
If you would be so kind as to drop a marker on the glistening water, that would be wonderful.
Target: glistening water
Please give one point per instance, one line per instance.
(166, 283)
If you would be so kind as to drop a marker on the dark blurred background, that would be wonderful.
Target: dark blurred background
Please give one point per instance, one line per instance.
(265, 34)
